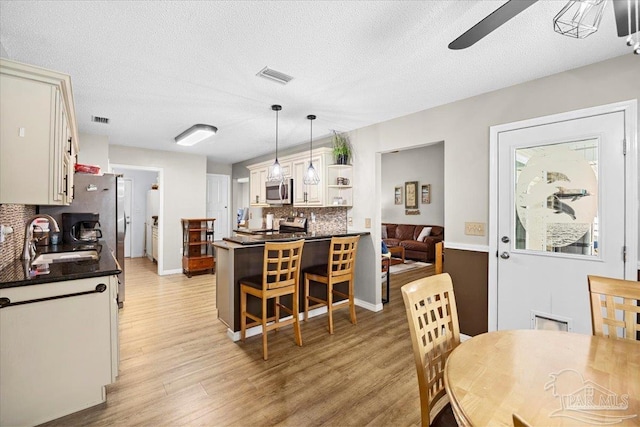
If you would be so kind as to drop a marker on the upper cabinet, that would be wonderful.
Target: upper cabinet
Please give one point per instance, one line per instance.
(329, 192)
(257, 185)
(39, 135)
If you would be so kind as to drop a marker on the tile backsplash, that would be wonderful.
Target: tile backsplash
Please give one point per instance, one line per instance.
(328, 220)
(14, 216)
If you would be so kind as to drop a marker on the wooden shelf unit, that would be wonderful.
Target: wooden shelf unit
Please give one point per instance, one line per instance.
(197, 249)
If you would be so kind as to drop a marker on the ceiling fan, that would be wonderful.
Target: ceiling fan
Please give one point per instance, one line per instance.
(625, 14)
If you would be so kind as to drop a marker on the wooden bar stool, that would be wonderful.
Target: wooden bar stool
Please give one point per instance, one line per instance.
(340, 268)
(280, 277)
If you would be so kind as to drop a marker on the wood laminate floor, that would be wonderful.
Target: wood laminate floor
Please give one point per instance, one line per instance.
(178, 367)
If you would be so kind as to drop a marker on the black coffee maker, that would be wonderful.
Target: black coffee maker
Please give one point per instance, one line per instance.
(81, 227)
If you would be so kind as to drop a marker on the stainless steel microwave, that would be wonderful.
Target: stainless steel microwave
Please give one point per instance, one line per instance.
(280, 193)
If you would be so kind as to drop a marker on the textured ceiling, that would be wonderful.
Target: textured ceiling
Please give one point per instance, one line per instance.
(156, 68)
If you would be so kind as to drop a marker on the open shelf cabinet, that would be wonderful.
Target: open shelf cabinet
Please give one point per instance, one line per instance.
(197, 249)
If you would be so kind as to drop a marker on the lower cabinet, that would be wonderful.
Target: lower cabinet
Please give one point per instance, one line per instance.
(57, 352)
(154, 242)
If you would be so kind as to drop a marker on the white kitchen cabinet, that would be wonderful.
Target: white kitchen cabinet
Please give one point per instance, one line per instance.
(154, 242)
(38, 133)
(56, 355)
(308, 195)
(257, 183)
(327, 193)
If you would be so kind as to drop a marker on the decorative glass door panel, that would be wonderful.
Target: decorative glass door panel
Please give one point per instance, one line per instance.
(556, 198)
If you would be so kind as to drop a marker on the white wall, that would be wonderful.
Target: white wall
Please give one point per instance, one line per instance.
(425, 165)
(464, 128)
(183, 193)
(94, 150)
(3, 51)
(142, 181)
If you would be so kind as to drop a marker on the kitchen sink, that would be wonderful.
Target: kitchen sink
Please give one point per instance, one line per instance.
(73, 256)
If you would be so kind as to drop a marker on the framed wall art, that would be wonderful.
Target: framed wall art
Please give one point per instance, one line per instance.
(425, 194)
(398, 196)
(411, 195)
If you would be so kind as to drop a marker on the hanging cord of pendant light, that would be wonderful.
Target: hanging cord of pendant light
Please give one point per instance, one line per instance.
(311, 177)
(275, 172)
(635, 46)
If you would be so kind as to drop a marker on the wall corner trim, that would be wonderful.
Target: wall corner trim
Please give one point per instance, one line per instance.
(466, 247)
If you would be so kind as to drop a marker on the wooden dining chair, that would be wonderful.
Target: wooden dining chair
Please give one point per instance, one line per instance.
(439, 257)
(519, 422)
(280, 277)
(615, 307)
(433, 321)
(340, 268)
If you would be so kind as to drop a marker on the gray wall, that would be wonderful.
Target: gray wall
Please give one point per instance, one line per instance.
(183, 185)
(240, 169)
(218, 168)
(464, 128)
(425, 165)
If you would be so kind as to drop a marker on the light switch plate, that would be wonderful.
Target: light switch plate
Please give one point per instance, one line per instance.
(474, 228)
(367, 223)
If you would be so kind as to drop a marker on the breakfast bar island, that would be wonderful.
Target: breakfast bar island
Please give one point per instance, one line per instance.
(242, 255)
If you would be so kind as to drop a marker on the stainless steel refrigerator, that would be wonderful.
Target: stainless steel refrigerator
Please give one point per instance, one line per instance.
(102, 194)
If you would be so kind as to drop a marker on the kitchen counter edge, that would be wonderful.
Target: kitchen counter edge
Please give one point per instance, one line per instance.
(14, 274)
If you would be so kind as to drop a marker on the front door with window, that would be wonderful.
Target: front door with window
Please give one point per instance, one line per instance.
(561, 215)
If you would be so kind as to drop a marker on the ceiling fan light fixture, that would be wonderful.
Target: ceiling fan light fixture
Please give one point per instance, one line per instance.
(275, 171)
(195, 134)
(311, 176)
(579, 18)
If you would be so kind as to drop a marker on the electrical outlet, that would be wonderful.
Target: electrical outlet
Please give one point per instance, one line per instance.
(474, 228)
(350, 221)
(367, 223)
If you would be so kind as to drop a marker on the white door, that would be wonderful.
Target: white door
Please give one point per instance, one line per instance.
(561, 217)
(218, 203)
(128, 206)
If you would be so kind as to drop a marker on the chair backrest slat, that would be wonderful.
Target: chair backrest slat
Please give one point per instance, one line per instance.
(615, 307)
(342, 255)
(281, 264)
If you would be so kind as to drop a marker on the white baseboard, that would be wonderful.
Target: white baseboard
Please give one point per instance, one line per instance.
(464, 337)
(168, 272)
(257, 330)
(368, 305)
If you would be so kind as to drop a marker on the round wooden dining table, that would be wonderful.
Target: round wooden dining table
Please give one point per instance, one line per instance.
(548, 378)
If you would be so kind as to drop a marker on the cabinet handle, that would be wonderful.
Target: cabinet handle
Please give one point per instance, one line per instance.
(66, 185)
(69, 140)
(6, 302)
(305, 197)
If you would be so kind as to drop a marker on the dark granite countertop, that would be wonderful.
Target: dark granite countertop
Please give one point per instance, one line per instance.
(19, 273)
(260, 239)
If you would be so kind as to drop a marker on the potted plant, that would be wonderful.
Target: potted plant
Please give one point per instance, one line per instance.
(341, 148)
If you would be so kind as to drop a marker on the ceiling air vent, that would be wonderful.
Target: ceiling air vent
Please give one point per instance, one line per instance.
(274, 75)
(102, 120)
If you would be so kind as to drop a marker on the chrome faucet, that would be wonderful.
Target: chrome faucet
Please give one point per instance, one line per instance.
(29, 249)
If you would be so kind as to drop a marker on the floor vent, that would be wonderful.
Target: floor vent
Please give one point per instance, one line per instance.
(550, 322)
(102, 120)
(274, 75)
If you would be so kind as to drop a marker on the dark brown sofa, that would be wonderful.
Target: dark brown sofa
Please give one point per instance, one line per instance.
(406, 235)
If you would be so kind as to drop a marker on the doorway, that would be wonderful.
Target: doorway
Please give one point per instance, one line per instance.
(128, 210)
(143, 180)
(563, 206)
(218, 203)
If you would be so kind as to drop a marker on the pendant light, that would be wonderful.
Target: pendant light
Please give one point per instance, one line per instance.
(275, 171)
(311, 176)
(579, 18)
